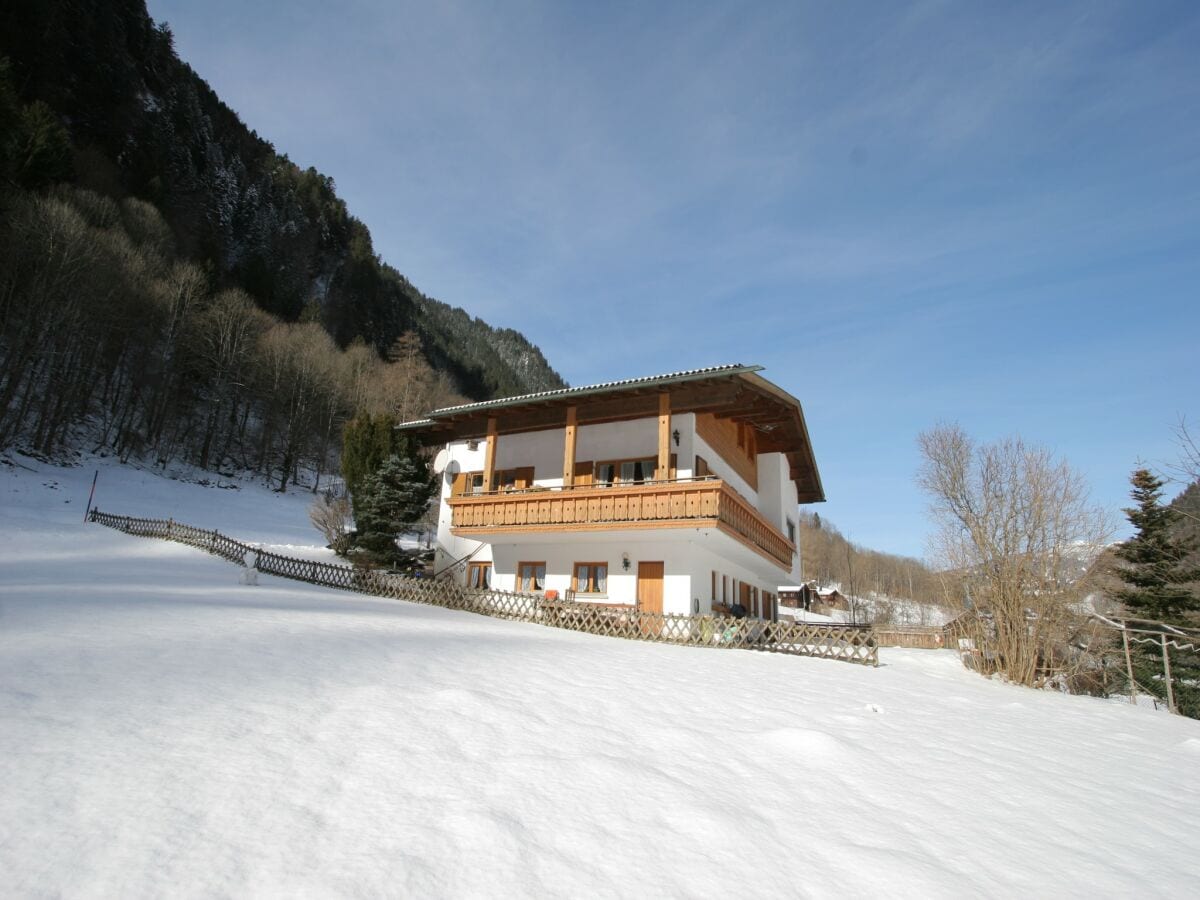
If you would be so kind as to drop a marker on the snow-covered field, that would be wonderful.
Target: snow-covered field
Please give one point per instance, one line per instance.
(168, 731)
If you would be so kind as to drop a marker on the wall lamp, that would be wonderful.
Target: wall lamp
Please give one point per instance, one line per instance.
(675, 434)
(625, 561)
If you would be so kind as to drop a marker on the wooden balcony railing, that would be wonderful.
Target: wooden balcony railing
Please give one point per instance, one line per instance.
(666, 504)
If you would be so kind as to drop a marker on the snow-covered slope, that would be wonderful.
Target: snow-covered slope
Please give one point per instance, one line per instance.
(166, 730)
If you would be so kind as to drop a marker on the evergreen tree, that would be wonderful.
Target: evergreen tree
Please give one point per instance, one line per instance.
(387, 502)
(1158, 576)
(1156, 567)
(367, 441)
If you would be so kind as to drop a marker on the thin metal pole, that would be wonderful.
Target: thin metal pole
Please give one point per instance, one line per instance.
(1167, 673)
(91, 495)
(1128, 662)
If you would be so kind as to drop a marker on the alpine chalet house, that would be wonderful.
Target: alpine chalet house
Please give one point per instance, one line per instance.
(677, 493)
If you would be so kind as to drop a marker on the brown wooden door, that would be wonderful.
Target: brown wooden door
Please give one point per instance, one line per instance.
(650, 587)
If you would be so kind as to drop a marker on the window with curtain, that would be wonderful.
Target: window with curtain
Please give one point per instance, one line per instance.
(479, 575)
(591, 578)
(531, 576)
(626, 471)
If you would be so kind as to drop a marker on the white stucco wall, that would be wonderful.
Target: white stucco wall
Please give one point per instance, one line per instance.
(541, 449)
(617, 440)
(449, 547)
(689, 556)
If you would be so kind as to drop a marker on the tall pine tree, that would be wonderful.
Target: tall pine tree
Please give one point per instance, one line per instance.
(387, 502)
(1157, 573)
(1160, 580)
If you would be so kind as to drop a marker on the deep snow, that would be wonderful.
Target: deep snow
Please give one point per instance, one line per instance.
(166, 730)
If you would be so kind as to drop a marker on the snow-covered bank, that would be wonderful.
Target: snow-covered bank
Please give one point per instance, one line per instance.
(167, 730)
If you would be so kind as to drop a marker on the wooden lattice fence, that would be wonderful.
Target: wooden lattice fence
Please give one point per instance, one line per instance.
(851, 643)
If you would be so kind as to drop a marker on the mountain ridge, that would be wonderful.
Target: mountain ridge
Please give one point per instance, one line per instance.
(143, 123)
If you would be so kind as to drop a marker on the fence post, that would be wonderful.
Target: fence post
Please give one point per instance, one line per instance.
(1167, 675)
(1128, 662)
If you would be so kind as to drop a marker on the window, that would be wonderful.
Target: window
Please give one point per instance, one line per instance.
(629, 471)
(479, 575)
(531, 576)
(701, 470)
(590, 578)
(626, 471)
(791, 531)
(514, 479)
(467, 483)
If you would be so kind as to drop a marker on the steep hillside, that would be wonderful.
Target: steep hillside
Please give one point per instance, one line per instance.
(141, 123)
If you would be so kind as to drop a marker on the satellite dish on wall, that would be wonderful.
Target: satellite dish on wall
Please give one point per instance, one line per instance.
(441, 461)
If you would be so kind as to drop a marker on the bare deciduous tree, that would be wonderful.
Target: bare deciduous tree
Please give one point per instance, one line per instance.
(1189, 452)
(1014, 527)
(332, 517)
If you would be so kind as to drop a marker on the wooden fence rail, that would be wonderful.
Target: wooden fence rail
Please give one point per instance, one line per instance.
(851, 643)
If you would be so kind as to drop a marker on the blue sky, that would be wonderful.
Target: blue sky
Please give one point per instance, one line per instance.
(909, 213)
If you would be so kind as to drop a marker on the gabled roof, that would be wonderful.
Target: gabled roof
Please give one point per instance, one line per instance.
(606, 386)
(734, 392)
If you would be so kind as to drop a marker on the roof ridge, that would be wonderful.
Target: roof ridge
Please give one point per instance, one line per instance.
(604, 385)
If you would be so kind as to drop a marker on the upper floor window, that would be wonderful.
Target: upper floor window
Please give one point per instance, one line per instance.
(467, 483)
(514, 479)
(791, 531)
(629, 471)
(626, 471)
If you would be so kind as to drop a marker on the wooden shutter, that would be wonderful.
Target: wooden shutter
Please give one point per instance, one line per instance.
(584, 472)
(460, 485)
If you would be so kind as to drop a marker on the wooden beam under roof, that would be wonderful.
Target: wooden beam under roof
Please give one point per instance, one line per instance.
(741, 396)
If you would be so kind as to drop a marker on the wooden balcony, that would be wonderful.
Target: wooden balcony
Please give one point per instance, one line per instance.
(704, 503)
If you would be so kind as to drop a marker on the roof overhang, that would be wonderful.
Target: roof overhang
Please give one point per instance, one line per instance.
(735, 392)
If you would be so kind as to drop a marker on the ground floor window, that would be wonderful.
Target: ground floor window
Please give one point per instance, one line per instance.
(531, 576)
(590, 578)
(479, 575)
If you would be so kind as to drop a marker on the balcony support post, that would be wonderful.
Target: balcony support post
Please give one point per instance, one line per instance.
(489, 455)
(569, 447)
(664, 437)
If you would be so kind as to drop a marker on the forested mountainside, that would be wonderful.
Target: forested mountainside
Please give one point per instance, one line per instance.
(173, 288)
(141, 123)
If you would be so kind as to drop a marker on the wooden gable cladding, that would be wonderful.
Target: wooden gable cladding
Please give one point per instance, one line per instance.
(734, 442)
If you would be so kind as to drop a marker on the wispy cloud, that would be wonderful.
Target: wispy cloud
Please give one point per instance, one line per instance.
(903, 207)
